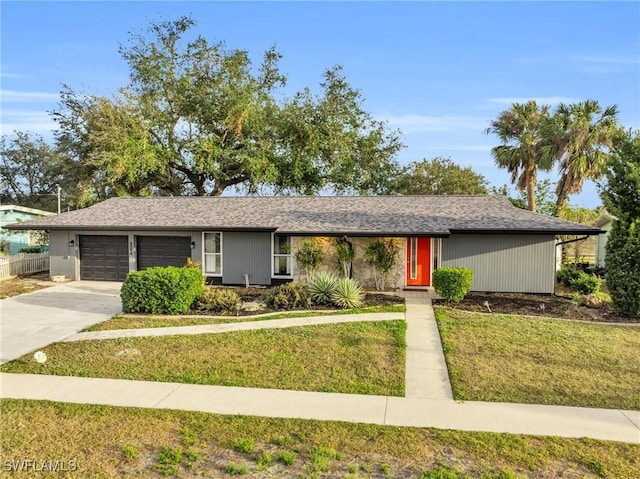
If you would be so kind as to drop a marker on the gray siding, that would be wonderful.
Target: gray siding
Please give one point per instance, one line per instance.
(62, 256)
(504, 263)
(246, 253)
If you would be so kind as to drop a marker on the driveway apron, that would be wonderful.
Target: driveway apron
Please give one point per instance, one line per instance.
(31, 321)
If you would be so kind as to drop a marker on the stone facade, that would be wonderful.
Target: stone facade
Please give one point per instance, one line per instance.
(361, 270)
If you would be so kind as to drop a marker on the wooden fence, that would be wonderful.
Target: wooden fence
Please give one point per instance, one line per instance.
(23, 263)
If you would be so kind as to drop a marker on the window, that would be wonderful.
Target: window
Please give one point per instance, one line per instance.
(436, 248)
(282, 262)
(212, 254)
(414, 258)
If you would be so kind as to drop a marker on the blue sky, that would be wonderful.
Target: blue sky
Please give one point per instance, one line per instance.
(440, 72)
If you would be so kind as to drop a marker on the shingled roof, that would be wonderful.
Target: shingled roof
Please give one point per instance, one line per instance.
(314, 215)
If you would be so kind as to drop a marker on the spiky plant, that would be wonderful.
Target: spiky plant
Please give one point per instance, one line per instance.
(322, 287)
(348, 293)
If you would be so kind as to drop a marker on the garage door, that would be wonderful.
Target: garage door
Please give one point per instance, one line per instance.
(163, 251)
(104, 258)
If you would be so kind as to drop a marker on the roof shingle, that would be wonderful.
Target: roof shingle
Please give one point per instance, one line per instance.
(319, 215)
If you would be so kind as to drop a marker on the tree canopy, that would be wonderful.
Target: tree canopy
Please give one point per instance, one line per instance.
(440, 176)
(198, 118)
(621, 195)
(576, 138)
(523, 150)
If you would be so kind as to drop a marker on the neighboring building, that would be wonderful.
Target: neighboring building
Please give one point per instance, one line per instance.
(509, 249)
(605, 223)
(14, 241)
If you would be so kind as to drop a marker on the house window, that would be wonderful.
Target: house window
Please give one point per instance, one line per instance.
(282, 261)
(436, 248)
(414, 258)
(212, 254)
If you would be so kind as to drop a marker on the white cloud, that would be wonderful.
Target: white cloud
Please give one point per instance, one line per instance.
(411, 123)
(33, 121)
(463, 148)
(540, 100)
(14, 96)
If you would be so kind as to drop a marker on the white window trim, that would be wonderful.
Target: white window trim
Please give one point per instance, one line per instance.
(436, 245)
(273, 256)
(215, 275)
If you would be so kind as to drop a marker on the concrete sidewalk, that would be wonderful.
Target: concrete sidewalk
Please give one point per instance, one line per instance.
(605, 424)
(239, 326)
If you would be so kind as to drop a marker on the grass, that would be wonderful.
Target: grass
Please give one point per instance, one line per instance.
(359, 358)
(509, 358)
(95, 437)
(135, 321)
(20, 285)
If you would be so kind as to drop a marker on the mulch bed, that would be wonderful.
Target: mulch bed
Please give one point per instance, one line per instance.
(538, 305)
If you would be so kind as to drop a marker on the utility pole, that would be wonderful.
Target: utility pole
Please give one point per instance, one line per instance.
(59, 190)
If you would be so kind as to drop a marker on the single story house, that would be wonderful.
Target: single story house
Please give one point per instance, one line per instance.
(605, 223)
(253, 239)
(14, 241)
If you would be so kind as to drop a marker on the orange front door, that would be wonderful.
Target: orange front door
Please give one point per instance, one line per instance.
(418, 261)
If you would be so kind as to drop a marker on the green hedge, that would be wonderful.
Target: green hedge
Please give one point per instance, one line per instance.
(586, 283)
(452, 284)
(567, 275)
(289, 296)
(161, 290)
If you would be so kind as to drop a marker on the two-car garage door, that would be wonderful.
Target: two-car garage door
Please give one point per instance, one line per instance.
(106, 258)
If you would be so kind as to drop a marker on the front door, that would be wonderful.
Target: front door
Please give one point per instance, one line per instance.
(418, 261)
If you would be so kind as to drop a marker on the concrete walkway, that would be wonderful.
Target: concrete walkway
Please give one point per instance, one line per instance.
(240, 326)
(34, 320)
(428, 403)
(426, 374)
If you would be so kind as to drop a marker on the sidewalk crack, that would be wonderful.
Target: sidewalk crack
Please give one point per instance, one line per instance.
(629, 419)
(157, 405)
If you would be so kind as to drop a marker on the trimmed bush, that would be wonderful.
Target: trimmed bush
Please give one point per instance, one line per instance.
(309, 257)
(161, 290)
(32, 249)
(452, 284)
(586, 283)
(348, 294)
(567, 275)
(289, 296)
(217, 300)
(322, 287)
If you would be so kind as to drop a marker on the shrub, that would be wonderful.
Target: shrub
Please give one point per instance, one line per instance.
(348, 293)
(289, 296)
(322, 287)
(452, 284)
(217, 300)
(382, 255)
(161, 290)
(345, 254)
(309, 257)
(567, 274)
(32, 249)
(586, 283)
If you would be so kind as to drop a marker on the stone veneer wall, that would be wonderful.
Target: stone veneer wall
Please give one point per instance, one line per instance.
(362, 271)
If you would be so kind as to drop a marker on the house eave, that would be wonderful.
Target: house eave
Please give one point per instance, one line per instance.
(521, 231)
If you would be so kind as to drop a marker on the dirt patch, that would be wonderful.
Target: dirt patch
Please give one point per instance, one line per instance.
(555, 306)
(24, 284)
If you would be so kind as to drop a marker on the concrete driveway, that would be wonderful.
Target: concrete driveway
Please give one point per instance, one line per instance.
(30, 321)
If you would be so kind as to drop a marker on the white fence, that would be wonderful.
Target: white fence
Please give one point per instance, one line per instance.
(23, 263)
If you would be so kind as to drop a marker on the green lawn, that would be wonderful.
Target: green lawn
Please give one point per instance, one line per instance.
(494, 357)
(110, 442)
(362, 358)
(138, 321)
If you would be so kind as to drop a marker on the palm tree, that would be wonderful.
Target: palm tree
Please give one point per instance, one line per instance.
(524, 150)
(581, 141)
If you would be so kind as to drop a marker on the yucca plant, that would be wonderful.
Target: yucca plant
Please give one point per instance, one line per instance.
(322, 287)
(348, 293)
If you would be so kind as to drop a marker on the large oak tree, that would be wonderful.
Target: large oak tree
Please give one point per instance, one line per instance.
(198, 118)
